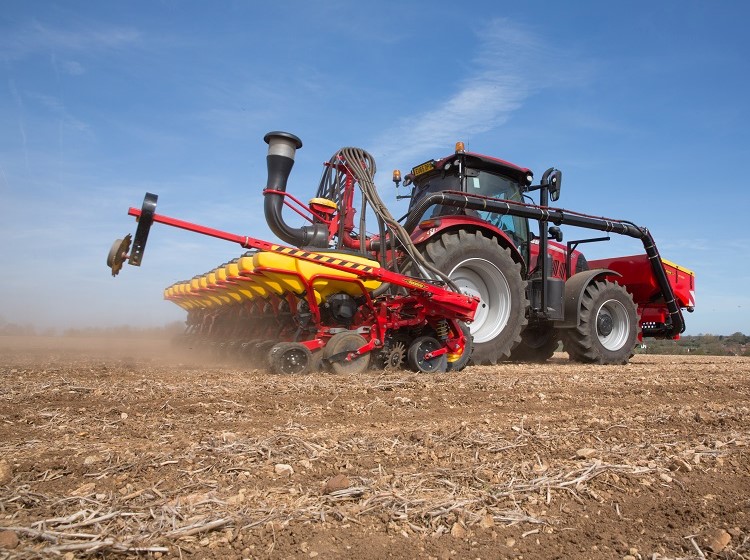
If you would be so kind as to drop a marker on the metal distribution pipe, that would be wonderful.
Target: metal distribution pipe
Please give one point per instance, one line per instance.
(559, 216)
(282, 147)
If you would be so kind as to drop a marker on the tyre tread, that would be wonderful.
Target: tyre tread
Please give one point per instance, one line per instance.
(444, 248)
(582, 344)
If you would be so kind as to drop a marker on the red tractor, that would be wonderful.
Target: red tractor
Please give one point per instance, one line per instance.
(467, 215)
(462, 264)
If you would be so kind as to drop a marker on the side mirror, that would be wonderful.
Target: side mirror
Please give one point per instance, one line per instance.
(556, 234)
(552, 179)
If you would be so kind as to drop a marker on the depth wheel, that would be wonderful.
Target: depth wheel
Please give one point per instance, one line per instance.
(538, 344)
(345, 342)
(481, 267)
(290, 358)
(608, 326)
(419, 349)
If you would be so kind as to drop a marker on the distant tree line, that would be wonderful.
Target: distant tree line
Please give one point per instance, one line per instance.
(736, 344)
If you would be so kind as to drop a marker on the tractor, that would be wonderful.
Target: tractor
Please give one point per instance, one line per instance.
(467, 215)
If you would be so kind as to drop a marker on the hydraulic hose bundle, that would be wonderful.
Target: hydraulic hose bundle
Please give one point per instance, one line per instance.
(362, 167)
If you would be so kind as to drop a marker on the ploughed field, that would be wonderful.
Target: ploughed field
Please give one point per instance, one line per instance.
(127, 447)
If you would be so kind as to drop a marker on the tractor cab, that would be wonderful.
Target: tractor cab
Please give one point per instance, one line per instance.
(476, 175)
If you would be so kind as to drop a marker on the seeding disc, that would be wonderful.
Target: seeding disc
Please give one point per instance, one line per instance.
(341, 344)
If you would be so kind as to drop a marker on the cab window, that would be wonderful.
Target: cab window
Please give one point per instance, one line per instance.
(497, 186)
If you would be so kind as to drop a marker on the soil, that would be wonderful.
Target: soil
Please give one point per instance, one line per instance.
(130, 448)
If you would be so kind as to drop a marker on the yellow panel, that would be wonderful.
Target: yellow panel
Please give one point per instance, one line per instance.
(227, 286)
(221, 289)
(342, 281)
(246, 285)
(202, 292)
(191, 294)
(229, 289)
(235, 295)
(232, 269)
(249, 285)
(245, 264)
(275, 280)
(678, 267)
(243, 271)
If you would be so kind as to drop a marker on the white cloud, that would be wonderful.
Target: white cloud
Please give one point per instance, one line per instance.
(72, 68)
(510, 64)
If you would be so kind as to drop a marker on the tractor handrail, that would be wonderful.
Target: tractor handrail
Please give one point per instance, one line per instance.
(560, 216)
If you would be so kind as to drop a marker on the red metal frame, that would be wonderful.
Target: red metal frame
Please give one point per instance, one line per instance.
(425, 302)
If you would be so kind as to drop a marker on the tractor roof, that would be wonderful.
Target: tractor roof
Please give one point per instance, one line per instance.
(489, 163)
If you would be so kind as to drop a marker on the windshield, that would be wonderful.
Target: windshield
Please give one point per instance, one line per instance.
(478, 182)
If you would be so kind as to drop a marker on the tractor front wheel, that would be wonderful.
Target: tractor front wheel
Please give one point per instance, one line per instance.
(607, 328)
(482, 268)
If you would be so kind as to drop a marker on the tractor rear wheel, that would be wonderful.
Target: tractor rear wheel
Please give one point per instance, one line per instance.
(607, 328)
(481, 267)
(538, 343)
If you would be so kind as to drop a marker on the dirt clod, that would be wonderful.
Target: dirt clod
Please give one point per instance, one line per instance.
(6, 472)
(717, 540)
(586, 453)
(338, 482)
(458, 531)
(8, 539)
(282, 469)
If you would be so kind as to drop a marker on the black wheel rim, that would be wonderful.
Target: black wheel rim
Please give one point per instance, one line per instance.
(424, 348)
(293, 361)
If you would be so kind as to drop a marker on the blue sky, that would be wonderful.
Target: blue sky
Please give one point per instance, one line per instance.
(643, 105)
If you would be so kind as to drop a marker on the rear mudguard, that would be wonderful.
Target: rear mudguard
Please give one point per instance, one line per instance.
(432, 227)
(574, 290)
